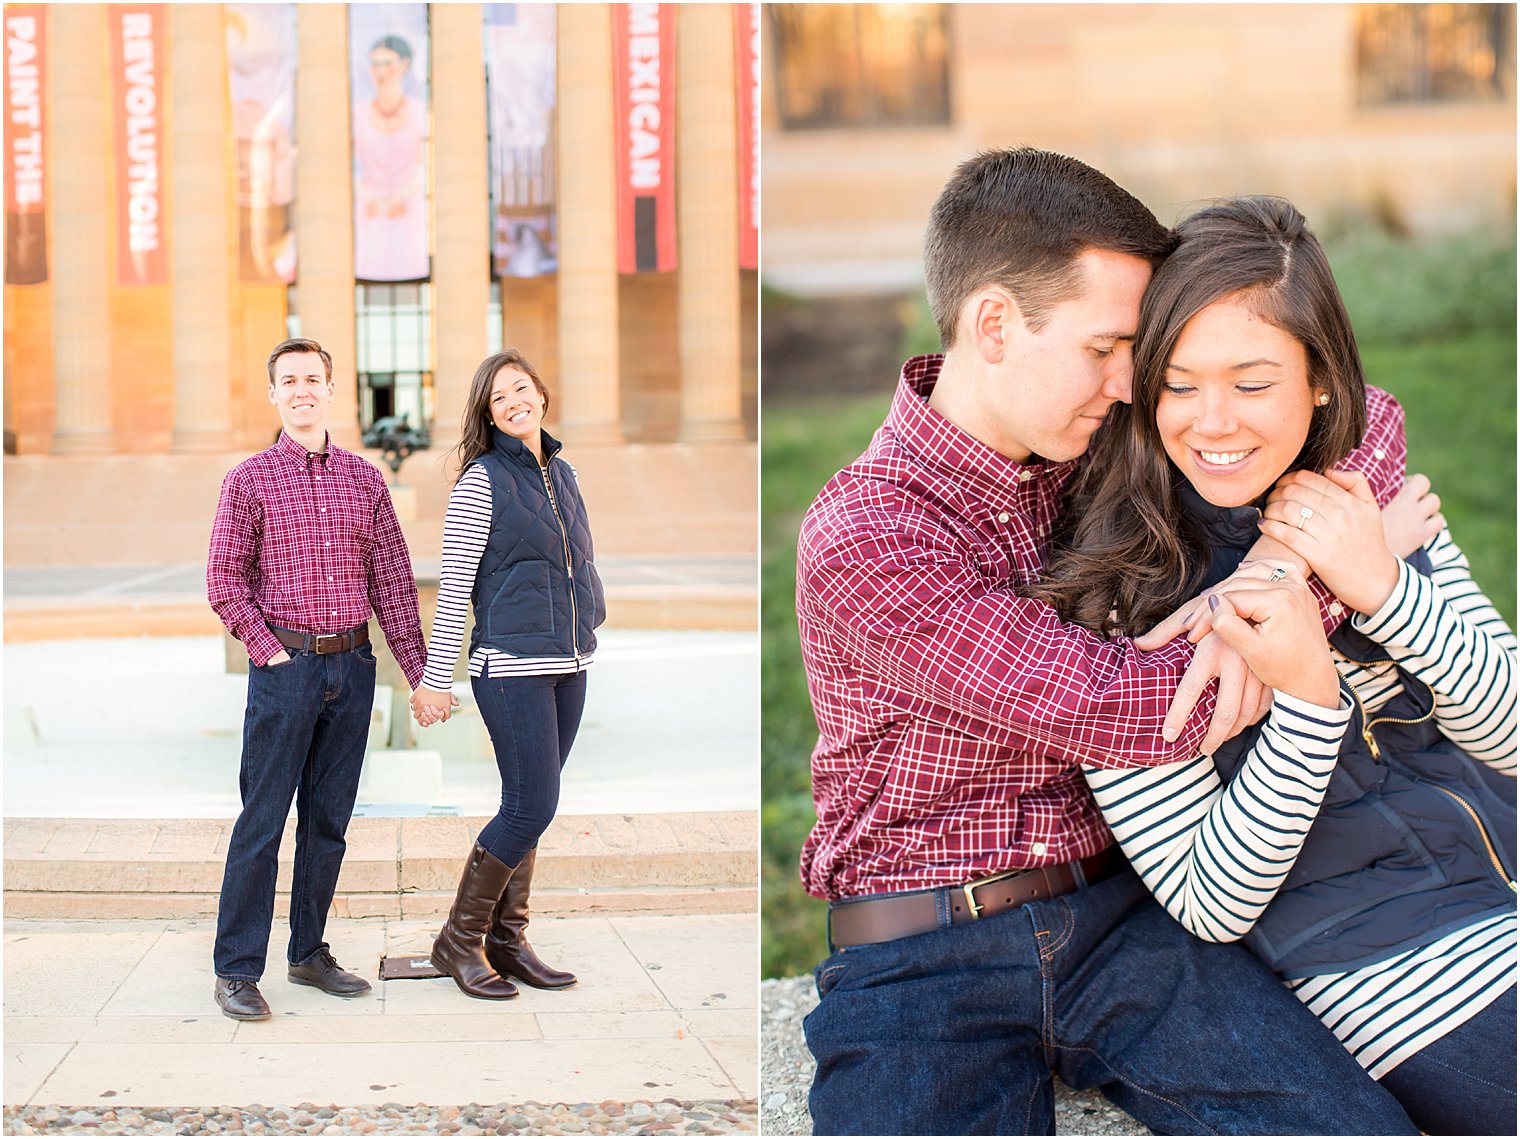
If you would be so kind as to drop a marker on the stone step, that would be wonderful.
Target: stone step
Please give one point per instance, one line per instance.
(396, 867)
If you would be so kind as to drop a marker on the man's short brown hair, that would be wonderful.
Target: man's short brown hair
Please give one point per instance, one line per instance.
(1020, 218)
(298, 345)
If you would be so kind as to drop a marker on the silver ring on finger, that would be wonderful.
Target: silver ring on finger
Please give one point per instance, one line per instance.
(1304, 514)
(1278, 574)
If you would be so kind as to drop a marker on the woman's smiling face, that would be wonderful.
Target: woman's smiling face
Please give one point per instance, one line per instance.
(1236, 403)
(516, 405)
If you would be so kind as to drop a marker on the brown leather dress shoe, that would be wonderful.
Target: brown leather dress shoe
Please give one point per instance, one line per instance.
(241, 1000)
(322, 972)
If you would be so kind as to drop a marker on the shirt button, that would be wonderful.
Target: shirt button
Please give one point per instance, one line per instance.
(1003, 516)
(329, 579)
(1336, 608)
(325, 545)
(323, 509)
(334, 612)
(1037, 849)
(1025, 476)
(1377, 452)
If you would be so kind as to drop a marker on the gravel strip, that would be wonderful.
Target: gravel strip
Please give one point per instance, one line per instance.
(786, 1073)
(610, 1117)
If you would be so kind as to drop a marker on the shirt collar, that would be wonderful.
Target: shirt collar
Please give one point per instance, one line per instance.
(297, 453)
(935, 440)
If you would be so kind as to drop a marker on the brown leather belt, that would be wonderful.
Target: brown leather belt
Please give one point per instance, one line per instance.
(322, 642)
(886, 917)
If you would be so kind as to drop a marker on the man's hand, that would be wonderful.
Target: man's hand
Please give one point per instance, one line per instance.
(1242, 699)
(281, 657)
(429, 706)
(1278, 632)
(1413, 518)
(1332, 521)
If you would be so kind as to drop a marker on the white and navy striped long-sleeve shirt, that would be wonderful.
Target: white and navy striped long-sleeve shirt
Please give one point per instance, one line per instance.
(1215, 856)
(466, 529)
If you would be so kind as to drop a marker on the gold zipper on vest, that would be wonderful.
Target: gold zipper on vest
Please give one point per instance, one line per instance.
(1493, 853)
(564, 535)
(1369, 724)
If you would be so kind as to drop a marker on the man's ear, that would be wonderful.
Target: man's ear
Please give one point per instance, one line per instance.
(993, 315)
(271, 393)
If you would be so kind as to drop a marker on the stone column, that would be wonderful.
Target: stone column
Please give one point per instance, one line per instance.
(80, 153)
(324, 203)
(200, 250)
(707, 224)
(589, 398)
(461, 212)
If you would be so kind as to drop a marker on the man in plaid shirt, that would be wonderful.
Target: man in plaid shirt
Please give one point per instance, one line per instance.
(305, 546)
(985, 931)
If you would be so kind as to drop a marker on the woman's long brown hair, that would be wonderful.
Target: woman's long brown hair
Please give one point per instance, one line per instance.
(1125, 556)
(475, 430)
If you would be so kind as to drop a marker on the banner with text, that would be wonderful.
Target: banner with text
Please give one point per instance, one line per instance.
(644, 61)
(261, 79)
(520, 89)
(388, 70)
(141, 108)
(25, 201)
(747, 74)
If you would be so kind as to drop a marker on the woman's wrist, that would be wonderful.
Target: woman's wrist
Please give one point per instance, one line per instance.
(1319, 685)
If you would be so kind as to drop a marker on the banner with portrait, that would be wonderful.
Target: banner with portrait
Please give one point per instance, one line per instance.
(747, 76)
(261, 80)
(388, 76)
(644, 60)
(520, 106)
(25, 195)
(139, 124)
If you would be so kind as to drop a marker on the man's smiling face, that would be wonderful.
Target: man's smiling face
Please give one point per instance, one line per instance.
(1052, 388)
(302, 393)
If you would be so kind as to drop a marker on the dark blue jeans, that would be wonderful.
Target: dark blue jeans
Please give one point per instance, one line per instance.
(304, 733)
(1463, 1083)
(957, 1032)
(532, 721)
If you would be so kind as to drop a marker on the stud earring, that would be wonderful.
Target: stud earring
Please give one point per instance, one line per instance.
(1324, 399)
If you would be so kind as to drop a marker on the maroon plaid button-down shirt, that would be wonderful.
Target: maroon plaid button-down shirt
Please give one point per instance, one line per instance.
(310, 542)
(952, 713)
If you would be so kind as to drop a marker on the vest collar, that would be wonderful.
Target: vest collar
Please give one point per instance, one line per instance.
(515, 450)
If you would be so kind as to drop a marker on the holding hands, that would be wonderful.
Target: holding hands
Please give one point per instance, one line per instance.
(1275, 626)
(430, 706)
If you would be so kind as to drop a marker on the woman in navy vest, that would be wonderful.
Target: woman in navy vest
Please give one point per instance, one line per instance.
(1361, 840)
(516, 549)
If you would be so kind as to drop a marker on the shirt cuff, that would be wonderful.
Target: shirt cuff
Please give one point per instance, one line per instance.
(263, 646)
(1396, 612)
(1313, 718)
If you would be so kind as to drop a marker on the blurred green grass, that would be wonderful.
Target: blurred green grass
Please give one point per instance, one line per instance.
(1436, 325)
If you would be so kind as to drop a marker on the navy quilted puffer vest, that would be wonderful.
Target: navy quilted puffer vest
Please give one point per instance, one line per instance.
(1414, 838)
(537, 592)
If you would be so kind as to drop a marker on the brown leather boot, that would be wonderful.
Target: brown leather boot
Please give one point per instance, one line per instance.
(458, 950)
(507, 949)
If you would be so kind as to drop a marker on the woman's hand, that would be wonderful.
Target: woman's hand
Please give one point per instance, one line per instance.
(1332, 521)
(1413, 518)
(1276, 629)
(429, 706)
(1196, 619)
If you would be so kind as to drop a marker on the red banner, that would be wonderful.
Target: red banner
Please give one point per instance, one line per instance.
(25, 201)
(747, 73)
(138, 94)
(644, 59)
